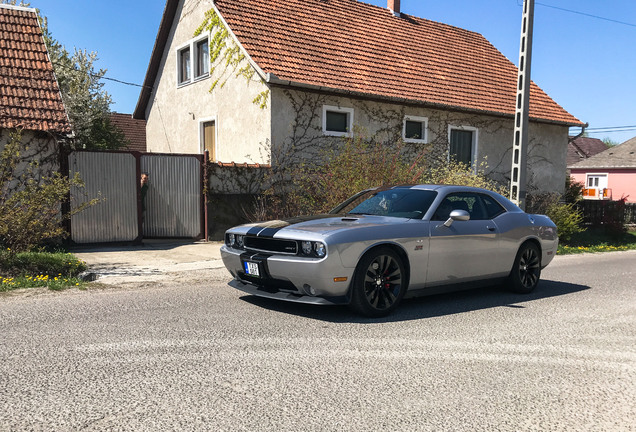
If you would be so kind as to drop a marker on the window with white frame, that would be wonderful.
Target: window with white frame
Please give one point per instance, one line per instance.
(596, 181)
(462, 144)
(183, 58)
(193, 61)
(202, 50)
(414, 129)
(337, 121)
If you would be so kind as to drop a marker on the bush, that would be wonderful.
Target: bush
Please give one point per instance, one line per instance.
(357, 164)
(30, 200)
(567, 218)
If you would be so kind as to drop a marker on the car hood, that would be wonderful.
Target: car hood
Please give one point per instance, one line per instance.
(323, 224)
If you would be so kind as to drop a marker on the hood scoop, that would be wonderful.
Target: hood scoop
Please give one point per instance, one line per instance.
(350, 219)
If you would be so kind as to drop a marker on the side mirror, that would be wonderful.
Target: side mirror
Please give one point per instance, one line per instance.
(457, 215)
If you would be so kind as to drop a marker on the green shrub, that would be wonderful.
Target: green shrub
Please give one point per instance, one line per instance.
(340, 171)
(567, 218)
(31, 199)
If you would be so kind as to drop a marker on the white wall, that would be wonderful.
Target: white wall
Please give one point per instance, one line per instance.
(547, 148)
(174, 112)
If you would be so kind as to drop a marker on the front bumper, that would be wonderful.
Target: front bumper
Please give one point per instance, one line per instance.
(287, 296)
(291, 278)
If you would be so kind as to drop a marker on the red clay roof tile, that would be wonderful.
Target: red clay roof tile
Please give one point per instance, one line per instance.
(29, 95)
(348, 45)
(134, 130)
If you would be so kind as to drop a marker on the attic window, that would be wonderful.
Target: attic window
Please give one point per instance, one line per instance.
(184, 65)
(202, 58)
(337, 121)
(193, 61)
(414, 129)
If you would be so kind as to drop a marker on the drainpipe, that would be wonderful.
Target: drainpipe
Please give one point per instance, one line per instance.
(585, 126)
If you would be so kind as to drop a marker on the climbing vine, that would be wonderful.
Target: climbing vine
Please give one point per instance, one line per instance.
(226, 57)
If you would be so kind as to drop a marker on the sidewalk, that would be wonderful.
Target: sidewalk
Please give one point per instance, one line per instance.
(152, 260)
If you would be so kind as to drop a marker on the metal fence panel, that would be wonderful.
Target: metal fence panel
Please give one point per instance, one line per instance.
(173, 200)
(113, 177)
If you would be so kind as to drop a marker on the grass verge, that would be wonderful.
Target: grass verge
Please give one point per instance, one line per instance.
(54, 270)
(597, 241)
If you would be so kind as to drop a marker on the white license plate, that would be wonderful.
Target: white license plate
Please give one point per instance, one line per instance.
(251, 268)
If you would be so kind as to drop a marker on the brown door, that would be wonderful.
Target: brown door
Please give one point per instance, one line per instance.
(208, 138)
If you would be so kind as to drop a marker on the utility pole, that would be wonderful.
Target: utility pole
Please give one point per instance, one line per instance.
(518, 177)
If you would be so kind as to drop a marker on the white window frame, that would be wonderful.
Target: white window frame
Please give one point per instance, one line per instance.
(475, 143)
(180, 49)
(596, 175)
(192, 46)
(216, 135)
(348, 111)
(424, 121)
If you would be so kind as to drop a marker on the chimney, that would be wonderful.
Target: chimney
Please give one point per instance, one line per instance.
(394, 6)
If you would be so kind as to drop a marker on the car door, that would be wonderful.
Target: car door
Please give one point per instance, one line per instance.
(466, 250)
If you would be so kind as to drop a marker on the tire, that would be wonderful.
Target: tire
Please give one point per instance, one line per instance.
(379, 283)
(526, 270)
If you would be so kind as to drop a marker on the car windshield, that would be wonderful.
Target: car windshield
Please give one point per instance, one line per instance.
(396, 202)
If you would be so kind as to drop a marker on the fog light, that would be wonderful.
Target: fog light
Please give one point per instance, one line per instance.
(309, 289)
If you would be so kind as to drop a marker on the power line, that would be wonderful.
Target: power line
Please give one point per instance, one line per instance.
(584, 14)
(73, 68)
(611, 127)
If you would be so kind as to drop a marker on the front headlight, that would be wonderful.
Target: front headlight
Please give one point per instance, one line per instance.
(307, 247)
(231, 239)
(240, 241)
(313, 249)
(320, 249)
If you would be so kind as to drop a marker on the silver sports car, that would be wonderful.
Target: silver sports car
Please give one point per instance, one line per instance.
(387, 243)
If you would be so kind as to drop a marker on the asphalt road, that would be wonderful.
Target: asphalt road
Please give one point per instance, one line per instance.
(202, 356)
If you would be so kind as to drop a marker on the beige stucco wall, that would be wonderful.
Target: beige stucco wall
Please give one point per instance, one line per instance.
(175, 113)
(547, 146)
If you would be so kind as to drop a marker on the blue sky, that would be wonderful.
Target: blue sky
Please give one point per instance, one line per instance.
(586, 64)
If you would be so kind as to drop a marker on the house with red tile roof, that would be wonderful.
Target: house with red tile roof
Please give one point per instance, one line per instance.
(307, 72)
(133, 129)
(30, 99)
(610, 174)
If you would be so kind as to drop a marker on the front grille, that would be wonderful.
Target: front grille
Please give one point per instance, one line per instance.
(271, 245)
(268, 284)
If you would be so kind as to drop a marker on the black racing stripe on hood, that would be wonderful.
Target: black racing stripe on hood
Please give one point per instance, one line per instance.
(269, 228)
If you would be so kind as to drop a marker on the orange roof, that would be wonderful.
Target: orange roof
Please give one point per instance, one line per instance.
(350, 46)
(29, 95)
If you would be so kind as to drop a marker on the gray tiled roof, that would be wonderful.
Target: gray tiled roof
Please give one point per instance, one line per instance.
(620, 156)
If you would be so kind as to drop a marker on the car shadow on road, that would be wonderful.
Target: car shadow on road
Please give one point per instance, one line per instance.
(428, 306)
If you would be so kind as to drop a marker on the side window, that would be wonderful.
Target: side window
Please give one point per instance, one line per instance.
(456, 201)
(491, 207)
(337, 121)
(414, 129)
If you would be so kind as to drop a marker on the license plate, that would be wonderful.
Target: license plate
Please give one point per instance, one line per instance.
(251, 268)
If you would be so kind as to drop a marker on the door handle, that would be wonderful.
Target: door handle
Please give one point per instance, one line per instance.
(491, 228)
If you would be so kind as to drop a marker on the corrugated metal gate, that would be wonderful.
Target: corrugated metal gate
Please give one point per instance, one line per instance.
(174, 200)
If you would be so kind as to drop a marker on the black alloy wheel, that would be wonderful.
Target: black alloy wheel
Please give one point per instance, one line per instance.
(379, 283)
(526, 270)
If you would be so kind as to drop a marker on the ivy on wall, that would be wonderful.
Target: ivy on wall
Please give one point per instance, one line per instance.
(226, 57)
